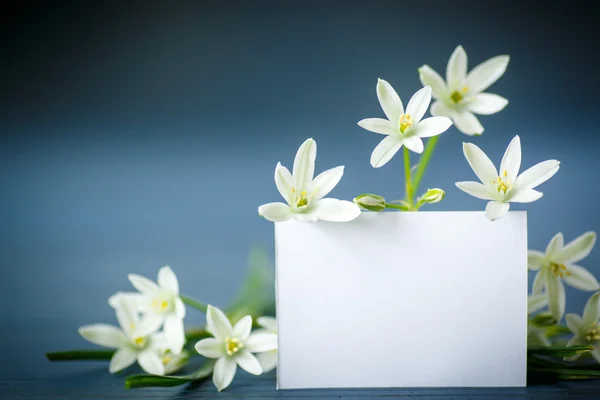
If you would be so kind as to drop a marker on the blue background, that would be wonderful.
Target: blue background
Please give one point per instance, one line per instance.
(145, 134)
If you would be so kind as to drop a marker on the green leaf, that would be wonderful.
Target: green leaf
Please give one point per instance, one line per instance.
(145, 380)
(557, 330)
(555, 351)
(543, 320)
(81, 355)
(568, 372)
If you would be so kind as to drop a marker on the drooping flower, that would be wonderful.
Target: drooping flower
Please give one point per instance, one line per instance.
(268, 359)
(137, 339)
(160, 302)
(460, 96)
(586, 329)
(506, 186)
(400, 127)
(233, 346)
(304, 195)
(558, 264)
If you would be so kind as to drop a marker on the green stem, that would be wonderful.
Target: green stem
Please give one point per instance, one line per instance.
(396, 206)
(409, 196)
(567, 371)
(194, 303)
(80, 355)
(424, 160)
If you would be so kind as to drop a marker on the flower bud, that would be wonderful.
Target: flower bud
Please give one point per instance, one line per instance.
(371, 202)
(433, 196)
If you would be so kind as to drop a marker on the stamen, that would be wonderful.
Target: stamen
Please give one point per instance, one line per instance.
(233, 345)
(559, 270)
(405, 122)
(457, 96)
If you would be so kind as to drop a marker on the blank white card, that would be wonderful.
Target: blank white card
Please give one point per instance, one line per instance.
(400, 299)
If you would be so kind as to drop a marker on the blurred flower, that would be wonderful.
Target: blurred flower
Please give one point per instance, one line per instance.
(268, 359)
(586, 329)
(402, 128)
(557, 264)
(432, 196)
(174, 362)
(136, 340)
(304, 195)
(159, 302)
(371, 202)
(233, 346)
(505, 187)
(461, 95)
(536, 335)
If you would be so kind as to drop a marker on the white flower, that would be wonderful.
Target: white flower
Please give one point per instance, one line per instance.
(505, 187)
(461, 95)
(402, 128)
(268, 359)
(174, 362)
(136, 340)
(304, 195)
(159, 302)
(557, 264)
(536, 335)
(233, 346)
(586, 329)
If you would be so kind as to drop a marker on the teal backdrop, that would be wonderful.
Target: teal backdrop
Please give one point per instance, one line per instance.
(140, 134)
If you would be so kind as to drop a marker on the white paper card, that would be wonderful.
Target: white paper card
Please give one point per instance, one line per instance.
(399, 299)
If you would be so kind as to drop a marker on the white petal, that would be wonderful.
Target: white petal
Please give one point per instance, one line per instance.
(261, 341)
(433, 126)
(335, 210)
(467, 123)
(476, 189)
(581, 279)
(218, 323)
(267, 360)
(144, 285)
(511, 161)
(242, 329)
(127, 315)
(574, 323)
(308, 216)
(596, 353)
(536, 302)
(413, 143)
(535, 259)
(431, 78)
(418, 104)
(248, 362)
(480, 164)
(269, 323)
(556, 243)
(147, 325)
(137, 301)
(556, 296)
(487, 104)
(122, 359)
(325, 182)
(103, 335)
(537, 175)
(385, 150)
(168, 280)
(284, 182)
(275, 212)
(523, 196)
(179, 308)
(174, 333)
(304, 164)
(456, 71)
(539, 282)
(151, 363)
(576, 250)
(485, 74)
(210, 348)
(224, 372)
(496, 209)
(591, 312)
(378, 125)
(390, 101)
(440, 109)
(574, 341)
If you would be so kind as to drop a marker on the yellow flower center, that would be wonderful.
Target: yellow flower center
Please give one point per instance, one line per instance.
(233, 345)
(593, 333)
(300, 200)
(160, 305)
(458, 96)
(559, 270)
(139, 341)
(502, 183)
(405, 122)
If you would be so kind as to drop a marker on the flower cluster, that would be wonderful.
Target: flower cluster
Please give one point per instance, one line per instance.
(152, 333)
